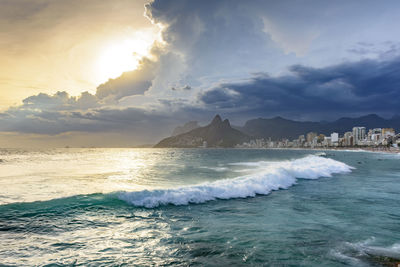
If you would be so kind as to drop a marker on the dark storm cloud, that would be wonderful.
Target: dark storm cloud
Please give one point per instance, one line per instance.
(206, 42)
(186, 87)
(59, 113)
(231, 37)
(59, 101)
(369, 86)
(384, 49)
(214, 36)
(138, 123)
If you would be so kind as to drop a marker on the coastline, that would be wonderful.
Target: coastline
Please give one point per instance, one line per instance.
(348, 149)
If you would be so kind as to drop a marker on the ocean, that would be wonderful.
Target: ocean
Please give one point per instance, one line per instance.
(198, 207)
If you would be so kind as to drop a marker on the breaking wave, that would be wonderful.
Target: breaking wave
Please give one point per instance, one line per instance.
(267, 177)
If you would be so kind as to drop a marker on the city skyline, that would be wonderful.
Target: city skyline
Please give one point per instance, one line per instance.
(376, 137)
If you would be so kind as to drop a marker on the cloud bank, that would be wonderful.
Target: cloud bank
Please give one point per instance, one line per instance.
(353, 88)
(241, 59)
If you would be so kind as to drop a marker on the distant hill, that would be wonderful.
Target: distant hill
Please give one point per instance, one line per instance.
(217, 134)
(191, 125)
(278, 128)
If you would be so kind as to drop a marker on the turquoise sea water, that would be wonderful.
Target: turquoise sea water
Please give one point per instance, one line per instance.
(204, 207)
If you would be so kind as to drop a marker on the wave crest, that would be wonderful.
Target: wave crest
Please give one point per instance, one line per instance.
(266, 178)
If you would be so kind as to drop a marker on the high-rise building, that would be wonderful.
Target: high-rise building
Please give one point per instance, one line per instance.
(375, 135)
(320, 138)
(311, 136)
(358, 134)
(327, 141)
(314, 142)
(334, 137)
(386, 132)
(348, 139)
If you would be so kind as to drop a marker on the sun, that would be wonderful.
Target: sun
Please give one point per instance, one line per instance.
(119, 56)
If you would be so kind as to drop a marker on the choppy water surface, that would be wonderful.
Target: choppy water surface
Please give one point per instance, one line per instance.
(213, 207)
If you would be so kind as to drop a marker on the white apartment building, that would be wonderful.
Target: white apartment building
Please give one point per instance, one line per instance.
(358, 135)
(334, 137)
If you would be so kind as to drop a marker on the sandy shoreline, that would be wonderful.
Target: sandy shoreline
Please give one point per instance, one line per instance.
(348, 149)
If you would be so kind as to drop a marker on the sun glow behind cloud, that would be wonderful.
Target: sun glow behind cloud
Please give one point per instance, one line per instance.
(123, 54)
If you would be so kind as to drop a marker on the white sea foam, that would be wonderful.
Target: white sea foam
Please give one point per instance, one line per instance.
(267, 177)
(358, 253)
(367, 248)
(217, 169)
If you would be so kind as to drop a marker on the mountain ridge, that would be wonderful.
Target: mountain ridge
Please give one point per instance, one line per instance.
(278, 127)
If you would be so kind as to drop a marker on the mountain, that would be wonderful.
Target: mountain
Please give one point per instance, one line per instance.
(191, 125)
(368, 121)
(217, 134)
(278, 128)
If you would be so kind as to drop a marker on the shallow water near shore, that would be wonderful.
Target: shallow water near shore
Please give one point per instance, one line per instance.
(213, 207)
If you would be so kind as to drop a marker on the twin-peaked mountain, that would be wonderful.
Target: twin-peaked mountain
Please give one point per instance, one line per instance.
(220, 133)
(216, 134)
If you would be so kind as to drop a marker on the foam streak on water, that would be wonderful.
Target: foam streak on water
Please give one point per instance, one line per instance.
(358, 253)
(267, 177)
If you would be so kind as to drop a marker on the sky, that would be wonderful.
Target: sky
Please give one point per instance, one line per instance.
(127, 72)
